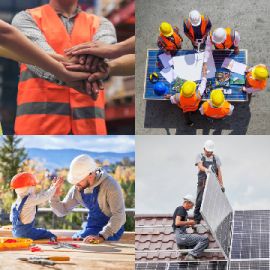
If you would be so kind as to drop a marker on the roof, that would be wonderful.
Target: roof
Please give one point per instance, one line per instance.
(155, 240)
(107, 255)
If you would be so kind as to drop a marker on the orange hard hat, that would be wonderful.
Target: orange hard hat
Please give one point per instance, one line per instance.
(23, 179)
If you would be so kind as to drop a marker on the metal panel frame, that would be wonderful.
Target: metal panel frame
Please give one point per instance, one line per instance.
(211, 178)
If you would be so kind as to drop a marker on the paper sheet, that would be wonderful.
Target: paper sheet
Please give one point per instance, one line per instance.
(165, 59)
(169, 74)
(189, 67)
(234, 66)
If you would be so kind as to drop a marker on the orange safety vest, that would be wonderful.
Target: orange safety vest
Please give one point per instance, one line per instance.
(256, 84)
(228, 43)
(189, 104)
(172, 46)
(47, 108)
(216, 113)
(189, 26)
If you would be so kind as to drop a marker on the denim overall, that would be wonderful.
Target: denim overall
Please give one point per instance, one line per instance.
(27, 230)
(201, 185)
(96, 220)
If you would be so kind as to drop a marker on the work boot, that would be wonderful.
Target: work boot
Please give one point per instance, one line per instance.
(190, 257)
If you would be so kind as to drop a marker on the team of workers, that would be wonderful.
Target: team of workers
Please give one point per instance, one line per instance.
(206, 162)
(197, 29)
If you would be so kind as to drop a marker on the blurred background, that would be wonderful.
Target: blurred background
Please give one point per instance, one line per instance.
(120, 91)
(50, 156)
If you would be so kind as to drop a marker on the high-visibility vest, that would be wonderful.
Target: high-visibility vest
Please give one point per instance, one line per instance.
(47, 108)
(228, 43)
(190, 29)
(172, 46)
(256, 84)
(189, 104)
(216, 113)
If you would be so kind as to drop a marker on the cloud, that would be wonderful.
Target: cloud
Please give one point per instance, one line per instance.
(119, 144)
(165, 170)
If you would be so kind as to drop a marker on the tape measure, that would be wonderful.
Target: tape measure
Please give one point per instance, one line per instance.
(153, 77)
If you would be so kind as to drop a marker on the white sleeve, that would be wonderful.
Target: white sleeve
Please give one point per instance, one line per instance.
(202, 86)
(201, 110)
(236, 39)
(208, 49)
(231, 109)
(41, 197)
(173, 100)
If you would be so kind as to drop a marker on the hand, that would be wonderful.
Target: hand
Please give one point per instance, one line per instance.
(167, 96)
(191, 222)
(58, 182)
(222, 189)
(93, 239)
(236, 50)
(96, 48)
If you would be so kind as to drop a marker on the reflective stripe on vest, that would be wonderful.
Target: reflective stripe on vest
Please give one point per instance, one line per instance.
(256, 84)
(47, 108)
(203, 27)
(228, 43)
(216, 113)
(172, 45)
(190, 104)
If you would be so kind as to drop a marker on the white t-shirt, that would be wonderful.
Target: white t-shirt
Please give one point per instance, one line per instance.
(199, 159)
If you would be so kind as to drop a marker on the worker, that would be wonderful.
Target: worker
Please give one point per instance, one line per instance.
(97, 191)
(189, 98)
(256, 79)
(217, 107)
(221, 39)
(24, 209)
(169, 40)
(203, 162)
(180, 222)
(196, 28)
(51, 107)
(122, 57)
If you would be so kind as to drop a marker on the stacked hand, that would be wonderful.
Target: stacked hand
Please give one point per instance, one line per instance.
(79, 71)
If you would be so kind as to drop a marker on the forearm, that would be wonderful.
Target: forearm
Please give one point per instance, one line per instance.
(126, 47)
(41, 197)
(122, 66)
(17, 47)
(219, 176)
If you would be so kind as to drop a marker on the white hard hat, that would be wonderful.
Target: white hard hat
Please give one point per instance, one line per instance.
(209, 146)
(189, 198)
(80, 167)
(219, 35)
(195, 17)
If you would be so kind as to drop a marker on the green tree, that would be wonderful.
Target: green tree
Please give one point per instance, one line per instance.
(12, 157)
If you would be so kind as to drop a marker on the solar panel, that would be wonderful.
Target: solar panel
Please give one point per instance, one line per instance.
(199, 265)
(251, 234)
(250, 265)
(217, 213)
(219, 56)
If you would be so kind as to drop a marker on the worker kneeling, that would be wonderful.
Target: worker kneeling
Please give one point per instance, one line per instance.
(169, 40)
(24, 209)
(217, 107)
(256, 79)
(180, 222)
(97, 191)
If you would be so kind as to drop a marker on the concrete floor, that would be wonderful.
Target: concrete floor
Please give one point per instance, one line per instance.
(250, 17)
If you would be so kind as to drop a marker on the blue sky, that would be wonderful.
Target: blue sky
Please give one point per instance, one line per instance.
(119, 144)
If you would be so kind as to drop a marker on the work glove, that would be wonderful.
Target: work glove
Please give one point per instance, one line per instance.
(223, 189)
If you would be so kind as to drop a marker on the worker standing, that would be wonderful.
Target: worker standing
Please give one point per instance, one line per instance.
(216, 107)
(169, 40)
(256, 79)
(204, 161)
(45, 104)
(221, 39)
(189, 98)
(196, 28)
(180, 224)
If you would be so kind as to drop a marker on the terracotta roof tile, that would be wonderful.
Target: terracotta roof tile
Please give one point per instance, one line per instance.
(159, 239)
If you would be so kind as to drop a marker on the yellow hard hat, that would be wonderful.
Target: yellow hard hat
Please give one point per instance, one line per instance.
(260, 72)
(217, 98)
(166, 29)
(188, 89)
